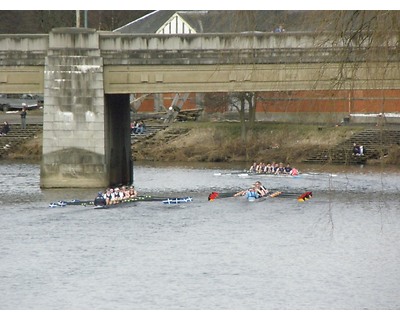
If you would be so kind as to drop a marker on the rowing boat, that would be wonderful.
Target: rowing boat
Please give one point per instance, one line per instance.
(164, 200)
(245, 174)
(259, 199)
(281, 194)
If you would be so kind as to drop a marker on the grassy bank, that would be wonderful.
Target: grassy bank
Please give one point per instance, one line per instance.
(217, 142)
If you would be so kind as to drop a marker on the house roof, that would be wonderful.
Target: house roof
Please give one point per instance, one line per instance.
(149, 23)
(217, 21)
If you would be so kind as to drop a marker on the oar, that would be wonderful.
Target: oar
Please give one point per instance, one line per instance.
(229, 173)
(303, 197)
(78, 202)
(153, 198)
(63, 203)
(214, 195)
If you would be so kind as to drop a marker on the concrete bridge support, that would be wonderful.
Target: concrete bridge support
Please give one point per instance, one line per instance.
(86, 138)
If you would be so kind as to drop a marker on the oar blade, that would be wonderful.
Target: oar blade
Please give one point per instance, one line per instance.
(305, 196)
(214, 195)
(275, 194)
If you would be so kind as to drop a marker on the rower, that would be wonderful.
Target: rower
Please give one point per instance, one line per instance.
(108, 196)
(252, 194)
(132, 192)
(261, 190)
(112, 196)
(125, 193)
(100, 200)
(280, 169)
(253, 168)
(118, 195)
(257, 187)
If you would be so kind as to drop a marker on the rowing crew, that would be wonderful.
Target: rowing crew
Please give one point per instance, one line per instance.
(273, 168)
(257, 190)
(113, 196)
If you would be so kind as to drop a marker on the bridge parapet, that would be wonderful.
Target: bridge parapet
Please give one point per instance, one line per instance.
(23, 50)
(237, 48)
(231, 48)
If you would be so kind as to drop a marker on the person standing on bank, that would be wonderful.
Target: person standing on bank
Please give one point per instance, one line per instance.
(23, 116)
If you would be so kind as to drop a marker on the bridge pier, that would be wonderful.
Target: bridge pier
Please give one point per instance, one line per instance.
(86, 138)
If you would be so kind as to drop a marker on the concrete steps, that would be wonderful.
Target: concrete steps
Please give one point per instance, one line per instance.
(335, 156)
(16, 136)
(376, 142)
(151, 130)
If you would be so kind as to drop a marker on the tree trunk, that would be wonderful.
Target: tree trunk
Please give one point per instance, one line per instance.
(242, 116)
(251, 98)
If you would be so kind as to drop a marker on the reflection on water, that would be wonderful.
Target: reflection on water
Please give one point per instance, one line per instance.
(340, 250)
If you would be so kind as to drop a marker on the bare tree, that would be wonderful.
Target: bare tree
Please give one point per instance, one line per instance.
(49, 19)
(112, 19)
(42, 21)
(362, 39)
(242, 102)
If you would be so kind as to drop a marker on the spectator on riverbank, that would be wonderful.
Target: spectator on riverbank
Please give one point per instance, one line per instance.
(133, 127)
(358, 150)
(5, 129)
(280, 28)
(139, 128)
(23, 116)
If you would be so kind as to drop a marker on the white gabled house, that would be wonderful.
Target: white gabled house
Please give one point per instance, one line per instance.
(176, 25)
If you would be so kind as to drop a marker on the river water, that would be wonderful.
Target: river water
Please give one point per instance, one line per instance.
(339, 250)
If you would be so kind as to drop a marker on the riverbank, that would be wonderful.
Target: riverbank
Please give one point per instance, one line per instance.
(222, 142)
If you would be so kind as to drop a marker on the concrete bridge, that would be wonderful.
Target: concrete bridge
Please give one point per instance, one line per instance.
(86, 77)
